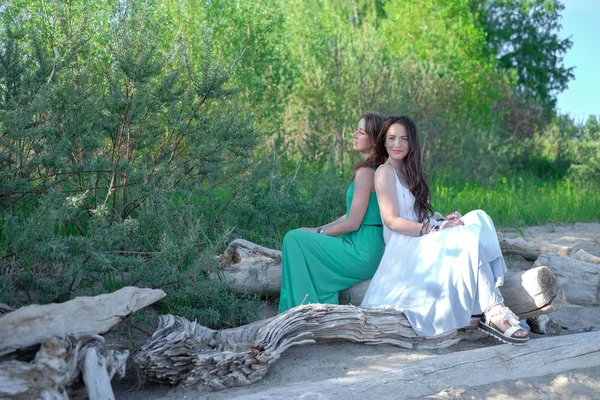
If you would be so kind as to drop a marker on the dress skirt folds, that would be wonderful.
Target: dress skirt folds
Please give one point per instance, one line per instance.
(433, 278)
(316, 267)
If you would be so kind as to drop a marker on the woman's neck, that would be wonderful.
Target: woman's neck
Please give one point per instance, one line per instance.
(399, 165)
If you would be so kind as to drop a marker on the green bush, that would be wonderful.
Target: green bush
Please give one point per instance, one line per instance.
(115, 168)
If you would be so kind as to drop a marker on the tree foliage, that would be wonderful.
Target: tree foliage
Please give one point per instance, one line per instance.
(108, 138)
(523, 36)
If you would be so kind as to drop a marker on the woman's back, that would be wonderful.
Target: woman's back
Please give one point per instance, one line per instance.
(372, 215)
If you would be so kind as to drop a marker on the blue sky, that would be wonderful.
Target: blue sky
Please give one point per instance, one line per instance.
(581, 21)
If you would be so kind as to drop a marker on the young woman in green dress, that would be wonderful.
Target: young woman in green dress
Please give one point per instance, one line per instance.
(319, 262)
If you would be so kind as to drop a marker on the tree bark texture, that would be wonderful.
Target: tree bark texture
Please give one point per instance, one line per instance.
(58, 364)
(531, 251)
(579, 280)
(33, 324)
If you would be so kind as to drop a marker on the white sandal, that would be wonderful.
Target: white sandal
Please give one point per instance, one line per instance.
(507, 336)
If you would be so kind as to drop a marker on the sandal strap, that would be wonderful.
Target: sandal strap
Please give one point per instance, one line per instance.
(511, 317)
(510, 331)
(495, 310)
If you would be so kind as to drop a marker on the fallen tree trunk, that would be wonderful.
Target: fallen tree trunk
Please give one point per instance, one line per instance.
(478, 367)
(531, 251)
(249, 268)
(70, 346)
(579, 280)
(186, 354)
(33, 324)
(57, 366)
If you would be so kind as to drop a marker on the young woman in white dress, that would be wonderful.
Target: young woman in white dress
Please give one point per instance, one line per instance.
(438, 274)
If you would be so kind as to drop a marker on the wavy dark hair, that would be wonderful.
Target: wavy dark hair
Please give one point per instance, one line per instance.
(373, 123)
(413, 163)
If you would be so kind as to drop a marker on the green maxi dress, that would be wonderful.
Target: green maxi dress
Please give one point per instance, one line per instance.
(320, 266)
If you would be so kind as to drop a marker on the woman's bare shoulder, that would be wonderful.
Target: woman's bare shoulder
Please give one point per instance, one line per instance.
(385, 171)
(364, 173)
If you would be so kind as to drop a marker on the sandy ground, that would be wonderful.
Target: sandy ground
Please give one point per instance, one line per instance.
(326, 362)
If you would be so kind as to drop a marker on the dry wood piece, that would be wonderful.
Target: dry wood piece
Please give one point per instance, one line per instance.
(95, 375)
(579, 280)
(186, 354)
(56, 367)
(249, 268)
(33, 324)
(531, 251)
(477, 367)
(544, 325)
(533, 292)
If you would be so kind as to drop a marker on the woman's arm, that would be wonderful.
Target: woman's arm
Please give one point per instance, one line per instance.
(363, 186)
(337, 221)
(385, 185)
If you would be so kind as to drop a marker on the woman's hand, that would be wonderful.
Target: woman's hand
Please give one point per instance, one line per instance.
(454, 215)
(451, 223)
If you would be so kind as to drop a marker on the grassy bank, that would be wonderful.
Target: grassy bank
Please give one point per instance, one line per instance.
(521, 201)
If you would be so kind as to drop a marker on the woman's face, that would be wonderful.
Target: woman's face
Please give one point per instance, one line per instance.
(396, 142)
(360, 139)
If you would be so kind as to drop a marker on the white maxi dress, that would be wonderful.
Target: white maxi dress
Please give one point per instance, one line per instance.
(433, 278)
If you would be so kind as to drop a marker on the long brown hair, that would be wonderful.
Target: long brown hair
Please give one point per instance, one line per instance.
(413, 163)
(373, 123)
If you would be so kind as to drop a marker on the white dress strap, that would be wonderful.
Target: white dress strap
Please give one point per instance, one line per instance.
(393, 169)
(387, 165)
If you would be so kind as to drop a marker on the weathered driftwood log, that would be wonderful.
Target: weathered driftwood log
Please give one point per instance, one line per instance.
(57, 366)
(430, 376)
(544, 325)
(186, 354)
(531, 251)
(533, 292)
(249, 268)
(579, 280)
(98, 370)
(33, 324)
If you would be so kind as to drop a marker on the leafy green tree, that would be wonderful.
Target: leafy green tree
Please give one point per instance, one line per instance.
(523, 36)
(550, 152)
(587, 159)
(251, 37)
(445, 34)
(342, 70)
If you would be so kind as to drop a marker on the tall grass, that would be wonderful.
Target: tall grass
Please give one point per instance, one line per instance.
(521, 200)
